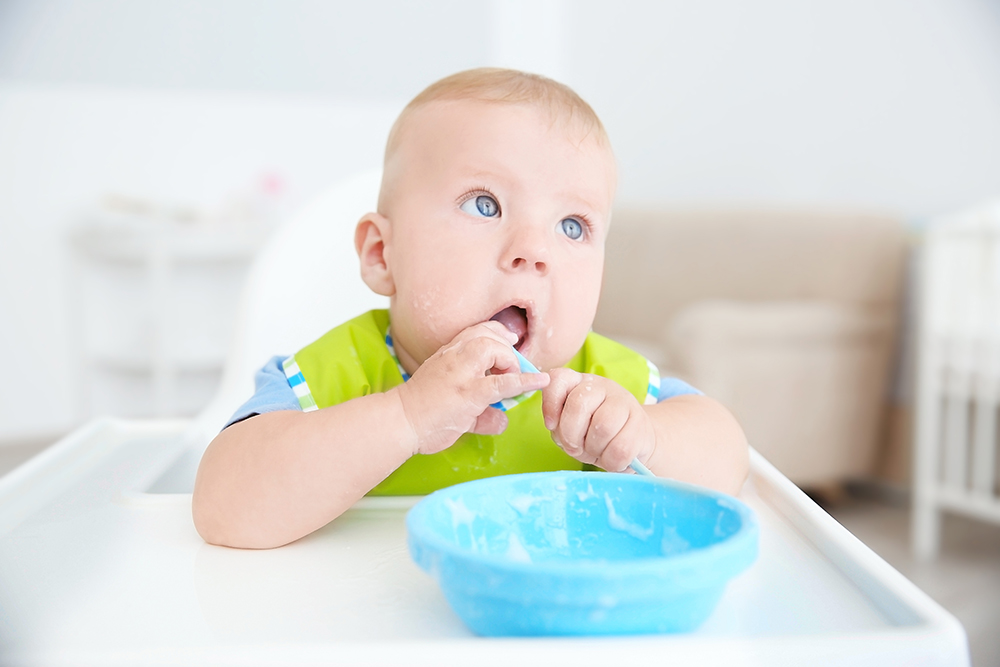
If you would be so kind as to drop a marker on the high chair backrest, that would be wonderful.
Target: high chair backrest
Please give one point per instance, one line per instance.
(305, 281)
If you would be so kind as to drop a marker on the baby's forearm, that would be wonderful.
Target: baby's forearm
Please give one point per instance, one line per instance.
(699, 441)
(276, 477)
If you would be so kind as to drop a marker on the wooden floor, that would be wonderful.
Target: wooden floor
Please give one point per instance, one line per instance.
(965, 579)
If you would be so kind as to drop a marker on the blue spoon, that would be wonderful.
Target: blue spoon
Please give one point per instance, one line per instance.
(528, 367)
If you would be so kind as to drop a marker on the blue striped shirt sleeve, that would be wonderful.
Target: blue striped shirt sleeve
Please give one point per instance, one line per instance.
(671, 387)
(271, 393)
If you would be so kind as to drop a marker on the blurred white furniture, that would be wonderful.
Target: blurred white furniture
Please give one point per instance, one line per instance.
(102, 564)
(958, 392)
(788, 317)
(155, 299)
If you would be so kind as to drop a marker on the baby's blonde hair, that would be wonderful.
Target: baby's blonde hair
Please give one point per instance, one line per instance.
(504, 86)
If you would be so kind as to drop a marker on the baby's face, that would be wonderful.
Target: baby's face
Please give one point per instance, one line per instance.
(497, 211)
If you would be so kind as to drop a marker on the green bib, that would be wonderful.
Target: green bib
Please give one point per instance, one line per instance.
(354, 360)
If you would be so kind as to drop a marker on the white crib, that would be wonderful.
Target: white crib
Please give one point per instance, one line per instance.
(958, 389)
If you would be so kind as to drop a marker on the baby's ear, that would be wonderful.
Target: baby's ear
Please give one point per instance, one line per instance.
(370, 238)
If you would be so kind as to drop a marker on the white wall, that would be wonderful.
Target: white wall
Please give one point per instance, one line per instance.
(375, 49)
(892, 104)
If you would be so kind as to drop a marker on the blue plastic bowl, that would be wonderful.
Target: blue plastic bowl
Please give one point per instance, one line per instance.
(581, 553)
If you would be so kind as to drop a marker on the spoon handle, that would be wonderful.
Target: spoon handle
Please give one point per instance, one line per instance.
(526, 366)
(637, 466)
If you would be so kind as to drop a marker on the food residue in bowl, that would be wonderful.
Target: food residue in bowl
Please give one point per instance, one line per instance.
(516, 551)
(584, 496)
(460, 514)
(618, 523)
(524, 502)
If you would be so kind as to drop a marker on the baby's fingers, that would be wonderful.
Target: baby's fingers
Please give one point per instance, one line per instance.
(608, 440)
(484, 353)
(554, 397)
(491, 422)
(575, 420)
(491, 329)
(509, 385)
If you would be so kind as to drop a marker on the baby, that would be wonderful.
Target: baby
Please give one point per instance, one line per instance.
(489, 237)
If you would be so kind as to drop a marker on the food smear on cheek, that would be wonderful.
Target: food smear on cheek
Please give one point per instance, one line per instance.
(428, 307)
(425, 305)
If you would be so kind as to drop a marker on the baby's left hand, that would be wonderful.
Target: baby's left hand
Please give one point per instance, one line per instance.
(595, 420)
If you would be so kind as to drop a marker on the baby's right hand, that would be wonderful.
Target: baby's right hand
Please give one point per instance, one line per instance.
(451, 393)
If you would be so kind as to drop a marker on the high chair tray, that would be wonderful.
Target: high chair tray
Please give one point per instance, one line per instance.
(100, 564)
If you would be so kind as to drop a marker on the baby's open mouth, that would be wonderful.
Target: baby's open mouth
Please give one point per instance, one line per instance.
(516, 320)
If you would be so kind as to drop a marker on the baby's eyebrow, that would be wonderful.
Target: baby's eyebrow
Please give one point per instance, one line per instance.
(485, 172)
(582, 205)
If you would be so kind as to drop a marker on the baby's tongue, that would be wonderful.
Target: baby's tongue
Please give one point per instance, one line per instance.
(515, 320)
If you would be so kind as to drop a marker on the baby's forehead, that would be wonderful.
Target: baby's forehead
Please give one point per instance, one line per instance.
(440, 132)
(575, 127)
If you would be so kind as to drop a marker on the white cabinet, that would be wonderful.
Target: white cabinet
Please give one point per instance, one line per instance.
(154, 302)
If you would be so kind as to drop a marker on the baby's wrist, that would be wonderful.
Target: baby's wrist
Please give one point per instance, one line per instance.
(427, 426)
(410, 438)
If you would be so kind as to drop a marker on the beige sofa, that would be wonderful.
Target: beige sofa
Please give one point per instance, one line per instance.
(787, 317)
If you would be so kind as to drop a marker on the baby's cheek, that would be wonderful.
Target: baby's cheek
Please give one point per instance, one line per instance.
(431, 307)
(580, 301)
(576, 329)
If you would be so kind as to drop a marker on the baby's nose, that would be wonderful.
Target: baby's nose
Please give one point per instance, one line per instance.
(528, 250)
(520, 262)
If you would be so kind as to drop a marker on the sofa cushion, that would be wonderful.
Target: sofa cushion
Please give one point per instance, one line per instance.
(806, 379)
(659, 261)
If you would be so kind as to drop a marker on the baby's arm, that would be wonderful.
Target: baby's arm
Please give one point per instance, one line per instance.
(688, 438)
(278, 476)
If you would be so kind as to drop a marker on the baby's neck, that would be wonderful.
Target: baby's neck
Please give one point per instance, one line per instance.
(408, 363)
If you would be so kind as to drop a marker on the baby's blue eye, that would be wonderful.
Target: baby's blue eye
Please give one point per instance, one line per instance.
(483, 205)
(571, 228)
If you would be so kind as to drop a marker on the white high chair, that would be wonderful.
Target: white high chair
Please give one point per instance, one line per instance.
(304, 282)
(100, 562)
